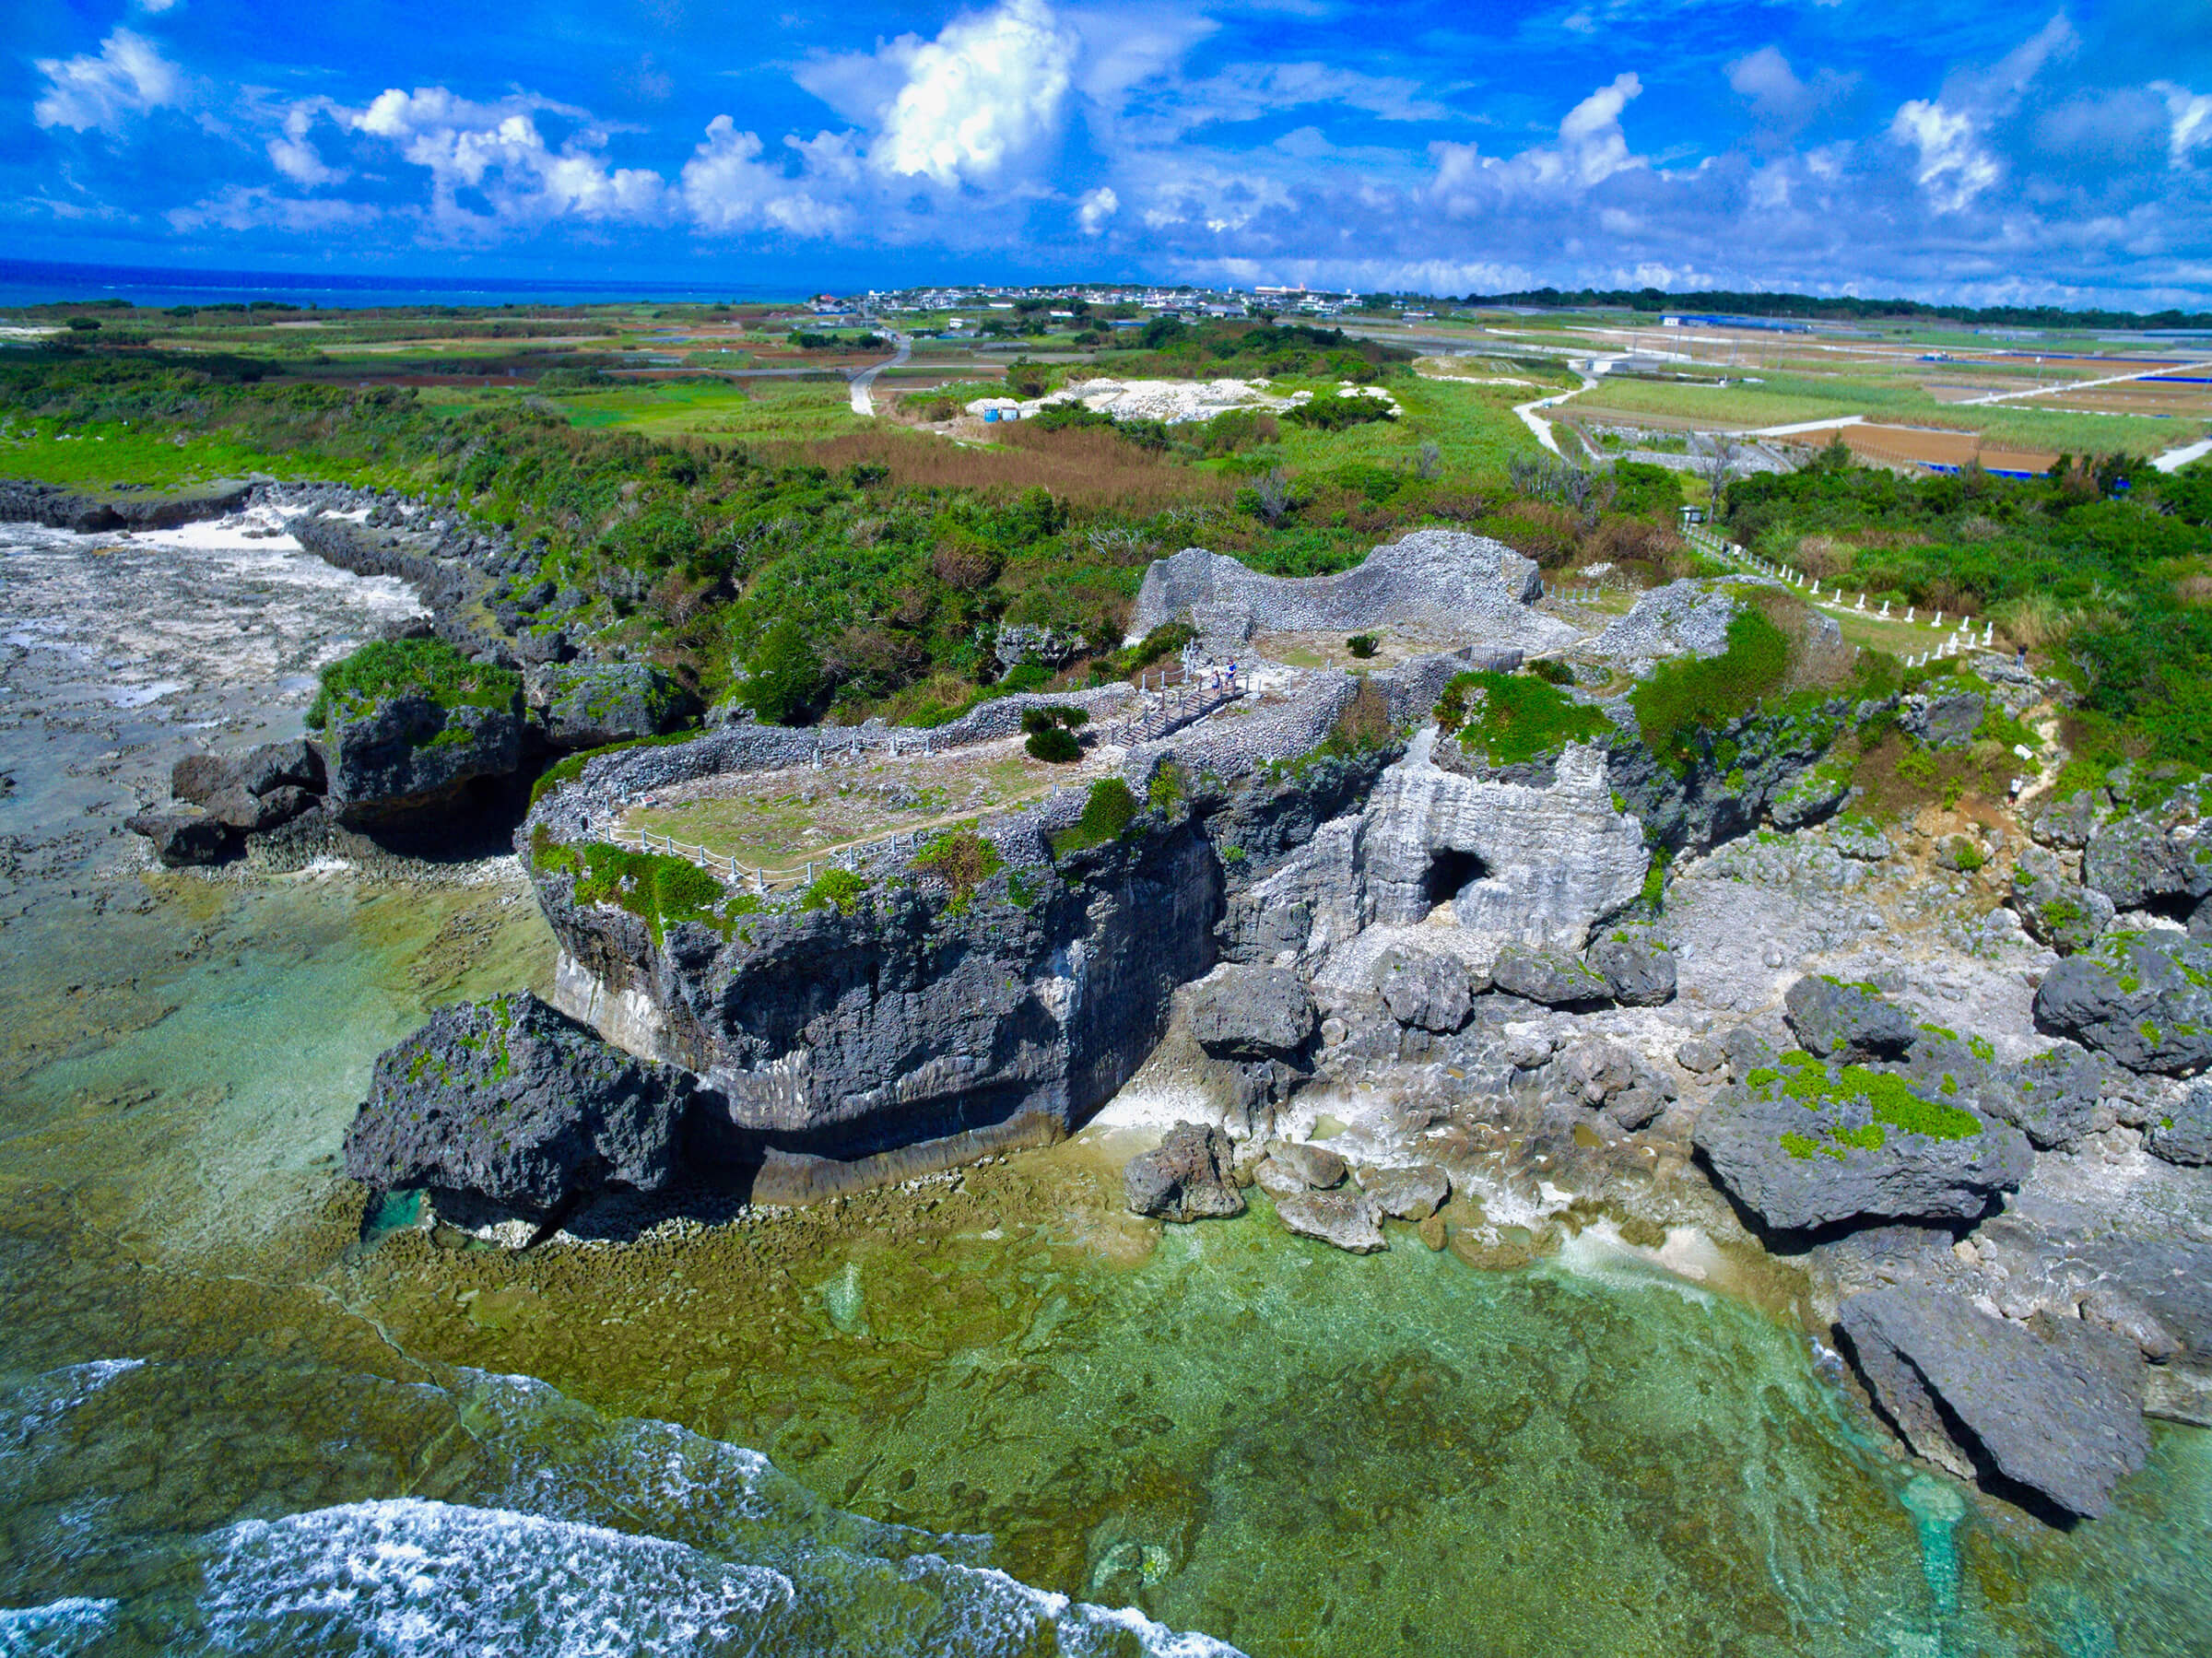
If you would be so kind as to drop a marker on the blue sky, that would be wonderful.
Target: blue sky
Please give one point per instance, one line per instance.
(1959, 150)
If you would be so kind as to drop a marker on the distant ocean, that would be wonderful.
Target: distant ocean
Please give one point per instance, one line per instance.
(28, 282)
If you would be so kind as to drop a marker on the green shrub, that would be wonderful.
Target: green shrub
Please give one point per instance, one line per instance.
(835, 888)
(1335, 411)
(1109, 810)
(962, 860)
(355, 684)
(1511, 718)
(661, 890)
(784, 678)
(1170, 787)
(1054, 745)
(1552, 671)
(1362, 645)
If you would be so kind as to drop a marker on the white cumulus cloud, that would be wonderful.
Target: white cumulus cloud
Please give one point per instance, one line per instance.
(2192, 113)
(726, 186)
(498, 152)
(1098, 206)
(1954, 167)
(129, 76)
(989, 90)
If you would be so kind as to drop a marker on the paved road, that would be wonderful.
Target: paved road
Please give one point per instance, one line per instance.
(2058, 387)
(862, 404)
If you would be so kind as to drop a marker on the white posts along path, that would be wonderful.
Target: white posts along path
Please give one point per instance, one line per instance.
(1959, 638)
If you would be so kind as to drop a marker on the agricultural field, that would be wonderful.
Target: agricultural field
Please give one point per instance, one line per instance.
(748, 529)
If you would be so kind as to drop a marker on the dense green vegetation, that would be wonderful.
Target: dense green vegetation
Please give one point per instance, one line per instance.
(423, 667)
(1514, 718)
(1888, 1098)
(1110, 809)
(660, 891)
(2105, 567)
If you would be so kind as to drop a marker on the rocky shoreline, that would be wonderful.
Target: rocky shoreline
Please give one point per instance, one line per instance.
(1944, 1069)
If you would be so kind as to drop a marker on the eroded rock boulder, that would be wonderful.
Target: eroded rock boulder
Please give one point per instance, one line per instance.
(1638, 972)
(410, 753)
(2183, 1132)
(1303, 1167)
(1411, 1193)
(1427, 988)
(514, 1101)
(1349, 1219)
(183, 838)
(2139, 860)
(1188, 1176)
(2144, 998)
(1552, 977)
(2053, 909)
(1846, 1021)
(2052, 1411)
(2051, 1097)
(1808, 1145)
(1946, 719)
(1251, 1013)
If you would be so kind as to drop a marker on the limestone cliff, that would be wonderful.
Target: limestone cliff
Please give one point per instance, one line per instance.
(920, 1026)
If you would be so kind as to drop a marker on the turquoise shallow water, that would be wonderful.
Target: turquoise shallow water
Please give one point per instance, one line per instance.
(990, 1417)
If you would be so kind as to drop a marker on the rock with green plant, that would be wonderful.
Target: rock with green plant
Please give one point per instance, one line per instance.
(1805, 1145)
(406, 725)
(2151, 860)
(2181, 1130)
(591, 705)
(2052, 907)
(513, 1102)
(960, 999)
(2144, 998)
(1944, 714)
(1847, 1021)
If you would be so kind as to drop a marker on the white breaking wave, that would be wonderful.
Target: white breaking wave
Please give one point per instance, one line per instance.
(56, 1629)
(420, 1579)
(412, 1579)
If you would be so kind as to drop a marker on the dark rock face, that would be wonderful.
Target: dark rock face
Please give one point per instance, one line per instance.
(2058, 1413)
(2144, 998)
(2070, 822)
(514, 1101)
(2054, 909)
(1945, 721)
(1251, 1013)
(2052, 1097)
(915, 1025)
(2139, 860)
(62, 509)
(1427, 988)
(1846, 1021)
(408, 754)
(1552, 977)
(589, 705)
(1638, 972)
(272, 766)
(1187, 1177)
(1733, 775)
(1803, 1166)
(2183, 1133)
(185, 837)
